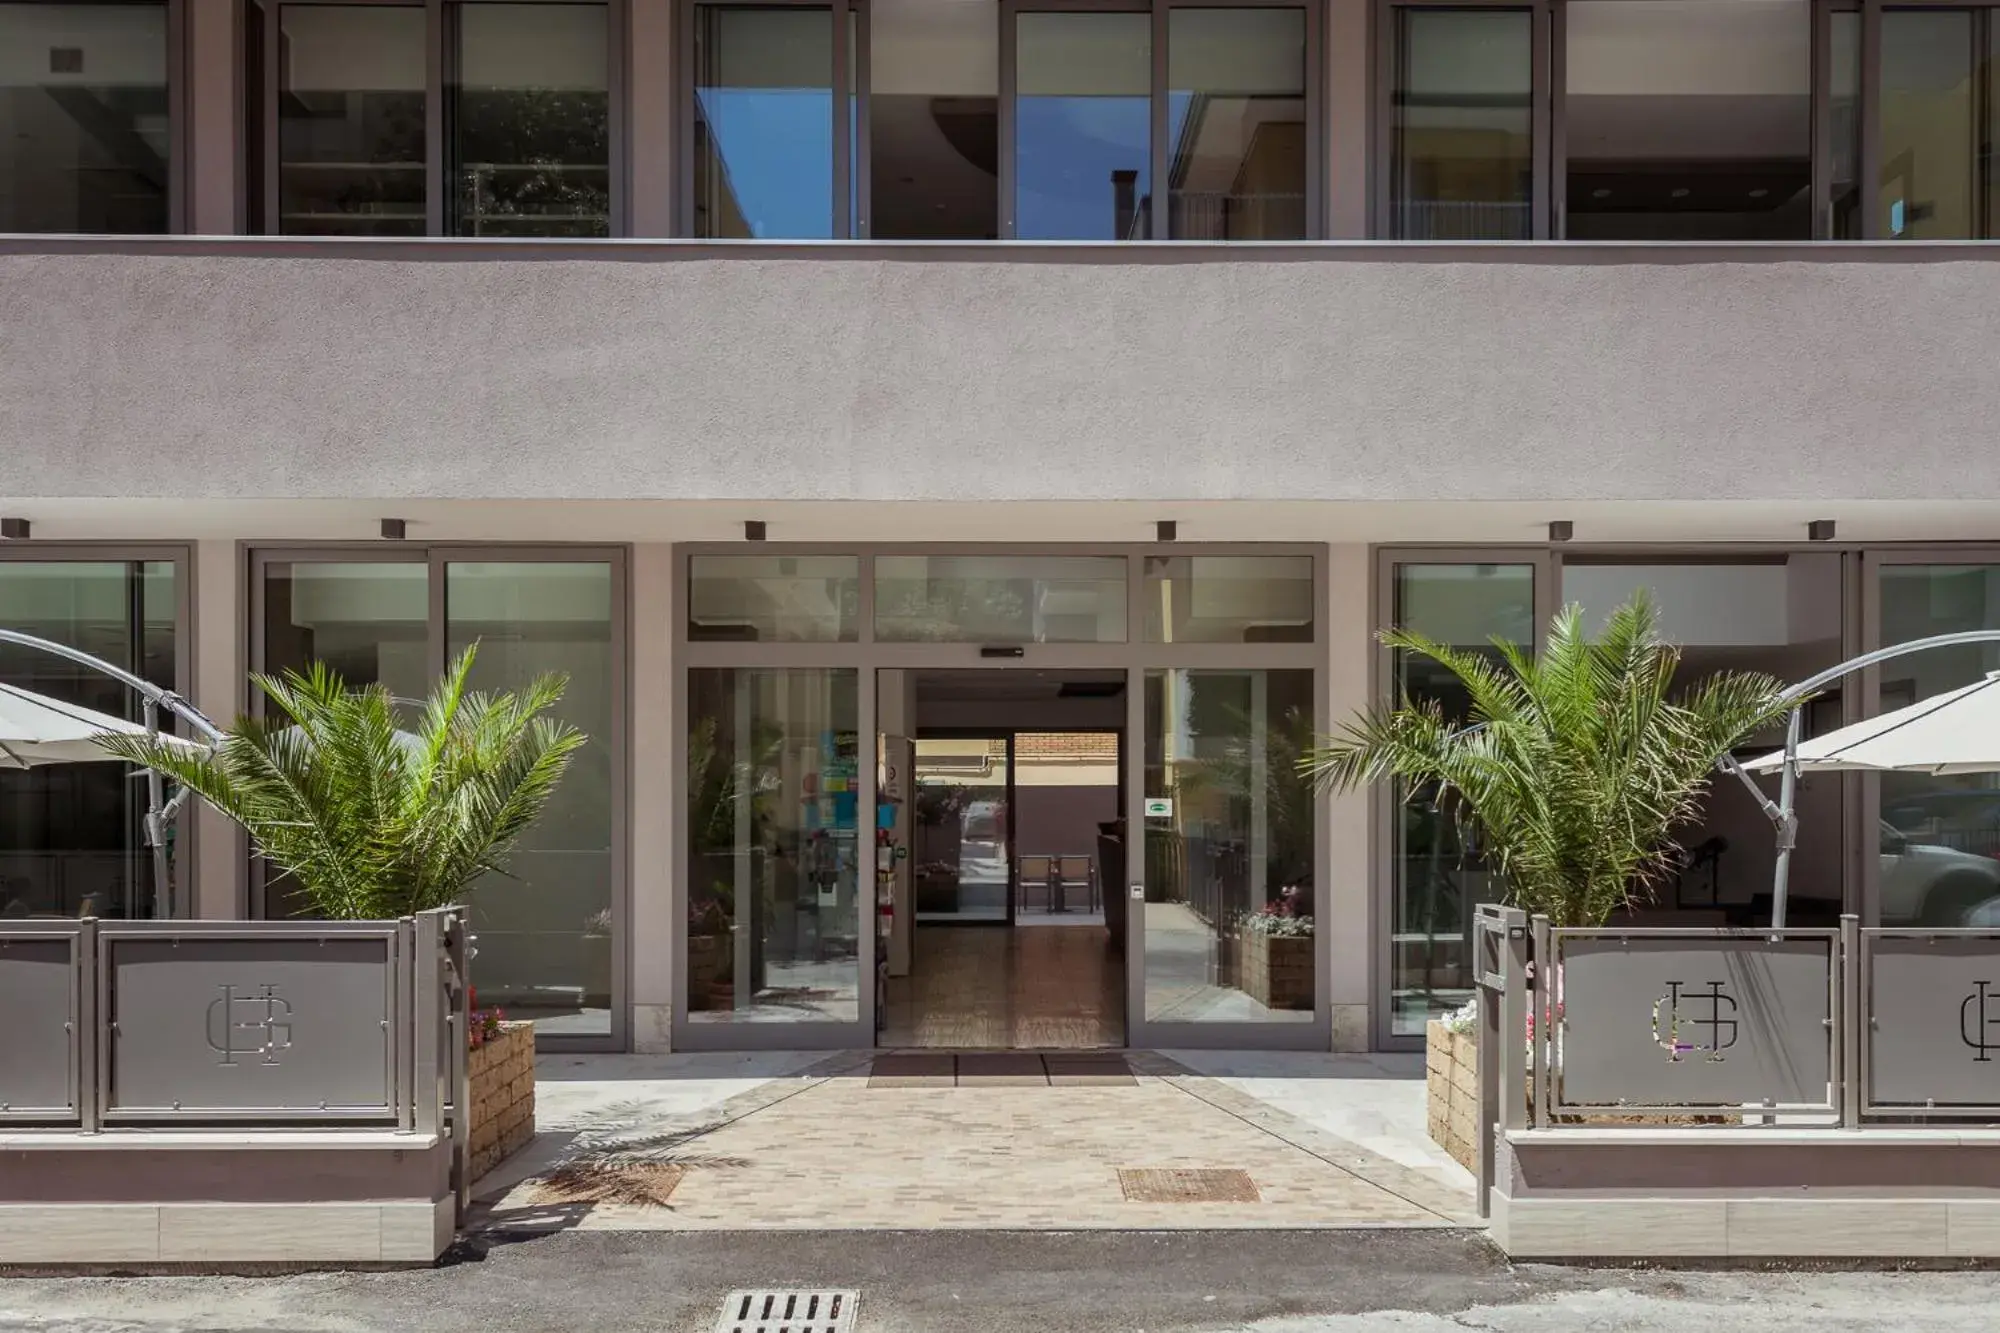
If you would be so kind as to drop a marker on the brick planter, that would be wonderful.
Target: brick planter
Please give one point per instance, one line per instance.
(1277, 969)
(1451, 1083)
(502, 1077)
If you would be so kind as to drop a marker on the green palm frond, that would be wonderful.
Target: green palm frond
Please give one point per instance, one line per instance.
(1577, 766)
(370, 820)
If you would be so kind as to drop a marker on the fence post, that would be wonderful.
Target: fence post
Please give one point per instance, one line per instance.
(1486, 1050)
(1848, 1017)
(428, 1081)
(458, 948)
(1512, 1036)
(85, 1041)
(1542, 1048)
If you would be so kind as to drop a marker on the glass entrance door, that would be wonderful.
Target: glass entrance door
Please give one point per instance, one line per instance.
(962, 830)
(1221, 901)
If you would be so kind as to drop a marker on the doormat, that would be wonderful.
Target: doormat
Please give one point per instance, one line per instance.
(645, 1183)
(1187, 1185)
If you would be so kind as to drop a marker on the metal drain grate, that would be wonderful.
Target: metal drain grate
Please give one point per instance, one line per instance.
(1187, 1185)
(788, 1312)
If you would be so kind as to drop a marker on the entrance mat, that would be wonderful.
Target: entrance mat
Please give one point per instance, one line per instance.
(1095, 1070)
(911, 1071)
(1187, 1185)
(1002, 1070)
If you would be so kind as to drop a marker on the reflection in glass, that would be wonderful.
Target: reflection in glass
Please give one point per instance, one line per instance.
(1689, 119)
(71, 836)
(530, 118)
(546, 928)
(1462, 155)
(351, 146)
(999, 599)
(1936, 167)
(763, 122)
(1236, 124)
(1781, 616)
(774, 599)
(367, 620)
(1229, 599)
(1229, 930)
(83, 118)
(1083, 126)
(1844, 111)
(1439, 877)
(1940, 836)
(773, 847)
(934, 120)
(961, 829)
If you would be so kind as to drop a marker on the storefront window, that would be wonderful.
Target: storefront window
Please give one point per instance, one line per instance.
(999, 599)
(774, 598)
(73, 840)
(774, 874)
(1939, 836)
(1231, 934)
(1229, 599)
(1439, 878)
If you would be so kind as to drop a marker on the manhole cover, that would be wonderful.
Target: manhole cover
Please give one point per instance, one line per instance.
(788, 1312)
(1187, 1185)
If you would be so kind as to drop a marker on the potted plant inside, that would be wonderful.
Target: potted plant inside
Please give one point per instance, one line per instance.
(1574, 769)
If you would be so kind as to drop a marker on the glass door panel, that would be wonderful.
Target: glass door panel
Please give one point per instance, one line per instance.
(963, 830)
(773, 872)
(1228, 927)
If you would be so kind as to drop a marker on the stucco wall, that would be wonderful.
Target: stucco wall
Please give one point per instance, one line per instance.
(264, 369)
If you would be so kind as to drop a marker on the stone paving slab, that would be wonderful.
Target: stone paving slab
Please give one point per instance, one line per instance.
(831, 1148)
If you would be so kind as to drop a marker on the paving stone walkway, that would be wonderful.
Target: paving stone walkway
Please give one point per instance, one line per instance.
(1008, 1141)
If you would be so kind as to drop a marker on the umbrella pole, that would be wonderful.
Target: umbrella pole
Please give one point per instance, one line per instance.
(1788, 820)
(156, 823)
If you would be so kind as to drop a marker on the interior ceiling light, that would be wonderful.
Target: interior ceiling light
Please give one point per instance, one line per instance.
(1681, 193)
(1759, 193)
(1600, 194)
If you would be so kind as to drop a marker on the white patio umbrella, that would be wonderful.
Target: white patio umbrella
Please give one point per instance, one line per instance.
(37, 730)
(1954, 732)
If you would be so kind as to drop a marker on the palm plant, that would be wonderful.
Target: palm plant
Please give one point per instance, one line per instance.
(1576, 767)
(371, 821)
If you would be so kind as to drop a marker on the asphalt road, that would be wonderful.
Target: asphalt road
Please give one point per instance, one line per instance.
(1049, 1282)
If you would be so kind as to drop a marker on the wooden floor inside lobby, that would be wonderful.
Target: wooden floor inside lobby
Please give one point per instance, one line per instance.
(1028, 987)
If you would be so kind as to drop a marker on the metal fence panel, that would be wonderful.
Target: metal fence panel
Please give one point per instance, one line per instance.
(284, 1026)
(1934, 1040)
(1697, 1021)
(39, 1024)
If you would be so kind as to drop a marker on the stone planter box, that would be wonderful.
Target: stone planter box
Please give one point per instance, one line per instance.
(1277, 969)
(501, 1075)
(1451, 1085)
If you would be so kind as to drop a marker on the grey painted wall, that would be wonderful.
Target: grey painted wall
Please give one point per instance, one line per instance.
(636, 370)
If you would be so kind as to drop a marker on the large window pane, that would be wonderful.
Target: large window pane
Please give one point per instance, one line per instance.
(1939, 835)
(774, 598)
(546, 927)
(531, 137)
(83, 118)
(1462, 155)
(1934, 153)
(1229, 847)
(1236, 123)
(351, 146)
(773, 849)
(1229, 599)
(999, 599)
(1689, 119)
(1844, 112)
(934, 120)
(763, 122)
(369, 621)
(1083, 126)
(71, 837)
(1781, 617)
(1438, 877)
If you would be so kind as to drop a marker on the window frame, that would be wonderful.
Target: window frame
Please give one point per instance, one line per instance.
(853, 161)
(441, 54)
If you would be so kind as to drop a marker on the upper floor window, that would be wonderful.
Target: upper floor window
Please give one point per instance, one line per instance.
(892, 120)
(85, 141)
(520, 99)
(1938, 123)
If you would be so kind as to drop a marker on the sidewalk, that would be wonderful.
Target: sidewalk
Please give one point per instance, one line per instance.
(865, 1140)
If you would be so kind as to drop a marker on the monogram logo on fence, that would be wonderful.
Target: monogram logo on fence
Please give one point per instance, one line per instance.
(1977, 1019)
(259, 1024)
(1695, 1019)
